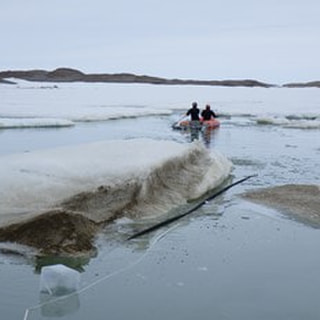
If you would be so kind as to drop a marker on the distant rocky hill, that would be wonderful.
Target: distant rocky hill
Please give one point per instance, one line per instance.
(72, 75)
(312, 84)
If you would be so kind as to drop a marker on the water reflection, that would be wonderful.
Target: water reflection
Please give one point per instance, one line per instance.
(208, 135)
(194, 134)
(53, 306)
(204, 134)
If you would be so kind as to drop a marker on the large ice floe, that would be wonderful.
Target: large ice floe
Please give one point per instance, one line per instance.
(56, 199)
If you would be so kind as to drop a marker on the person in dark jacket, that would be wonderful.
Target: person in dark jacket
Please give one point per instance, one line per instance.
(207, 113)
(194, 112)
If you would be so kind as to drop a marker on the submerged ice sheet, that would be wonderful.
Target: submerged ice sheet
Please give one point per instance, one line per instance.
(103, 177)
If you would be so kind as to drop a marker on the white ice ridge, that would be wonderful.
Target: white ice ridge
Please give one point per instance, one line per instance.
(74, 113)
(6, 123)
(301, 123)
(164, 172)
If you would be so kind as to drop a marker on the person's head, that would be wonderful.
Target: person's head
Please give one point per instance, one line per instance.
(194, 104)
(207, 107)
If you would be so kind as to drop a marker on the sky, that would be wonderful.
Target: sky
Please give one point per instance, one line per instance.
(276, 41)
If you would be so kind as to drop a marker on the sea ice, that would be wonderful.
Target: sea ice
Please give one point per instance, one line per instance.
(34, 182)
(59, 280)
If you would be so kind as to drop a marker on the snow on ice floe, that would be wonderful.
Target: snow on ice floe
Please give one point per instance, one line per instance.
(152, 175)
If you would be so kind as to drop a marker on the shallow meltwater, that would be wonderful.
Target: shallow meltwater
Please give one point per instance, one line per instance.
(230, 259)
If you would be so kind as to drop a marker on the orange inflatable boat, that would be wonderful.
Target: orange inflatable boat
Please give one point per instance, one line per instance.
(187, 124)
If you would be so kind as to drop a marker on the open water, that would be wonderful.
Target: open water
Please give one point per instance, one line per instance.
(230, 260)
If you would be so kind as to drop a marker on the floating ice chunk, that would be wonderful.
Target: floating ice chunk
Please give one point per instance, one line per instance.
(202, 269)
(59, 280)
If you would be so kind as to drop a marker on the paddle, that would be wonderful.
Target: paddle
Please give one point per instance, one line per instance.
(176, 123)
(172, 219)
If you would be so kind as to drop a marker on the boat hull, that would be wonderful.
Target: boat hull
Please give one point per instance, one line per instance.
(187, 124)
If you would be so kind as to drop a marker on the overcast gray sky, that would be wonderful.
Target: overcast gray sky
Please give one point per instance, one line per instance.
(269, 40)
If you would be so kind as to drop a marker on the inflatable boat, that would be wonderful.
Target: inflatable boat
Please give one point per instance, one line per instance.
(206, 124)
